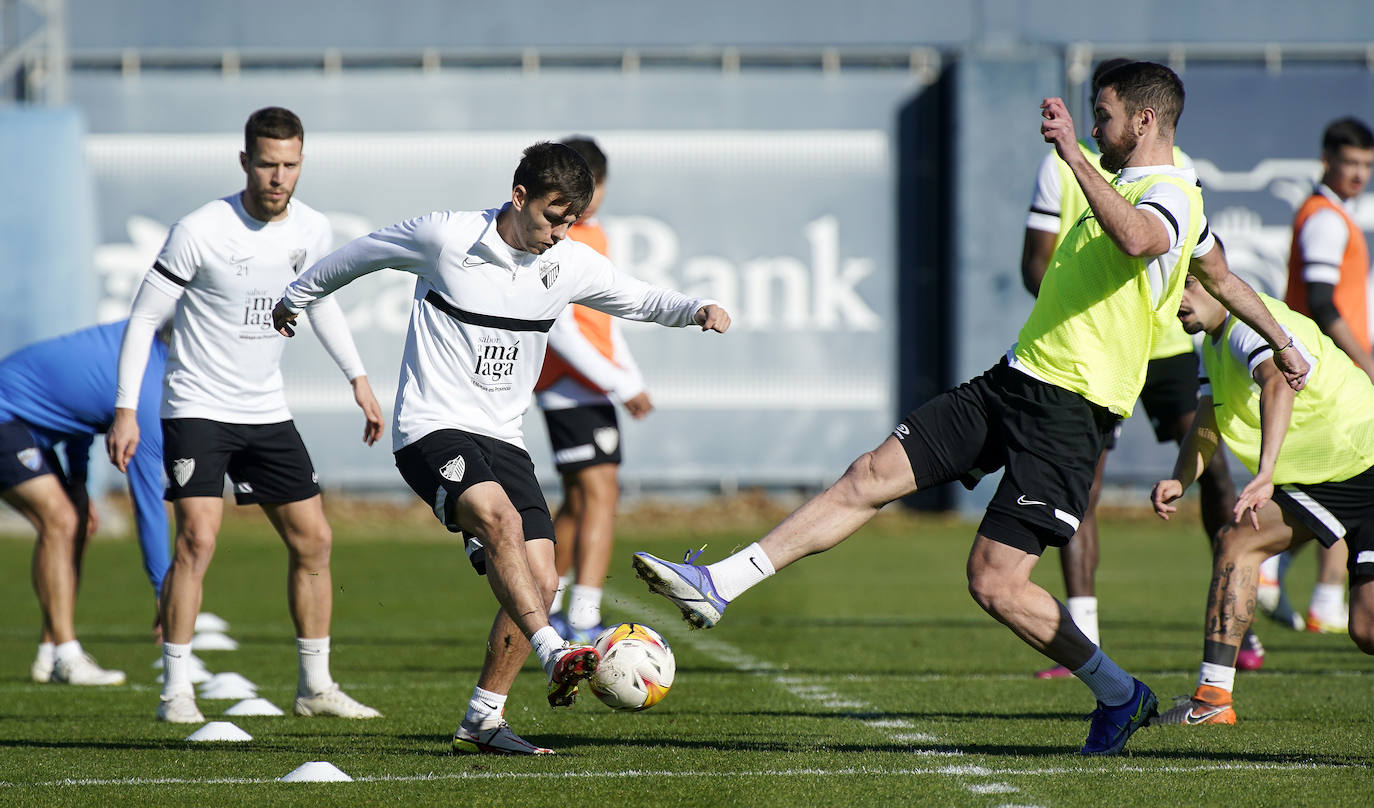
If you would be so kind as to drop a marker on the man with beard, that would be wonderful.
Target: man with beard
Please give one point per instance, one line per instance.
(1044, 411)
(224, 409)
(1169, 395)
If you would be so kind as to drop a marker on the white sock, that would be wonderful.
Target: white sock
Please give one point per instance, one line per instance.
(1328, 602)
(546, 644)
(1217, 676)
(176, 669)
(1083, 610)
(1112, 686)
(485, 708)
(740, 571)
(564, 581)
(46, 654)
(66, 651)
(1269, 570)
(584, 607)
(314, 666)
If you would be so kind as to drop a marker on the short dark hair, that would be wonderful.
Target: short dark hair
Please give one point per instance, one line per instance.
(1346, 132)
(1142, 85)
(1103, 68)
(555, 168)
(592, 153)
(273, 123)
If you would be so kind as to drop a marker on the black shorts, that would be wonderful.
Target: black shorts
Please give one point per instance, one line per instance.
(1171, 389)
(442, 465)
(1048, 439)
(267, 463)
(22, 458)
(583, 436)
(1335, 511)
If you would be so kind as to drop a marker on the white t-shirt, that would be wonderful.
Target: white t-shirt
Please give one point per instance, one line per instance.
(1249, 349)
(1322, 242)
(1171, 206)
(221, 271)
(1047, 197)
(481, 315)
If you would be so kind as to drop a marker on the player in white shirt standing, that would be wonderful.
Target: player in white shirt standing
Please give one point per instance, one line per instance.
(489, 286)
(224, 409)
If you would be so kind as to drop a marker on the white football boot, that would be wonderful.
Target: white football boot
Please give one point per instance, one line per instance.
(83, 670)
(179, 709)
(333, 702)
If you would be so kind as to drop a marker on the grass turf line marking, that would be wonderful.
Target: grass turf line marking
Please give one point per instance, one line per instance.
(993, 788)
(807, 688)
(938, 771)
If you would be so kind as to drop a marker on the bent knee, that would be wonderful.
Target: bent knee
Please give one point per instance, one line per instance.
(991, 590)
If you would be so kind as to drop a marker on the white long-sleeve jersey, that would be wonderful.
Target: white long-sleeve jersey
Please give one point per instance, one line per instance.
(217, 275)
(481, 315)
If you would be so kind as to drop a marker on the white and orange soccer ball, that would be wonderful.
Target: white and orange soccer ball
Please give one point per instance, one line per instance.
(636, 670)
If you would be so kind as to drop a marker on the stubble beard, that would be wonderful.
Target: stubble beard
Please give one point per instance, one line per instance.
(1114, 157)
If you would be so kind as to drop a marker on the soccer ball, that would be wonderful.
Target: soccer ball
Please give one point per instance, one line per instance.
(636, 669)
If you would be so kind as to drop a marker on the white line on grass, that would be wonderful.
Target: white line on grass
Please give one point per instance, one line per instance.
(808, 688)
(936, 771)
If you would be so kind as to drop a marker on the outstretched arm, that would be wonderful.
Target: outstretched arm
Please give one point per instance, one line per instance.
(1237, 296)
(412, 246)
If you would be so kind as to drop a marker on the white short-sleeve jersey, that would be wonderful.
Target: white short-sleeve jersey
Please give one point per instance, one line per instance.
(226, 269)
(1249, 350)
(481, 315)
(1170, 205)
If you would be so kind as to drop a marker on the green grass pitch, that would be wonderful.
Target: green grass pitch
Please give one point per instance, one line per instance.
(864, 676)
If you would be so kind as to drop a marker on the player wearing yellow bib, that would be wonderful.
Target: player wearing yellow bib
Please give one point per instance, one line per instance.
(1169, 396)
(1313, 454)
(1042, 413)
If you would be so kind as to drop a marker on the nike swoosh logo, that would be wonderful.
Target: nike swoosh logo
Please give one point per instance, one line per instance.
(1139, 708)
(472, 261)
(1021, 500)
(239, 259)
(1194, 717)
(756, 565)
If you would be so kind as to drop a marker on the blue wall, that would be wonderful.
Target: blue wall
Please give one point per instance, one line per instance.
(47, 226)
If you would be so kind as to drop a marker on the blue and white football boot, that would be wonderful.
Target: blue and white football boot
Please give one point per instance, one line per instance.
(688, 585)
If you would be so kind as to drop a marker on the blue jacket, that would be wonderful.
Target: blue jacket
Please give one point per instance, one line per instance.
(64, 390)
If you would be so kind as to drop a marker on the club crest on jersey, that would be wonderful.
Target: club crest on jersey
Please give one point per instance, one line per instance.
(548, 273)
(453, 469)
(297, 258)
(607, 438)
(31, 458)
(182, 469)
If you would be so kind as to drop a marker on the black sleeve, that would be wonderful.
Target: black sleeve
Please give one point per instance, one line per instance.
(1321, 302)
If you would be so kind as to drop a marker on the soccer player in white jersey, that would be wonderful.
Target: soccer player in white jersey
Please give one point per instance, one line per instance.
(224, 409)
(490, 285)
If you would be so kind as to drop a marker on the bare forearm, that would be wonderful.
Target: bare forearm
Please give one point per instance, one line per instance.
(1339, 332)
(1237, 296)
(1135, 232)
(1276, 408)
